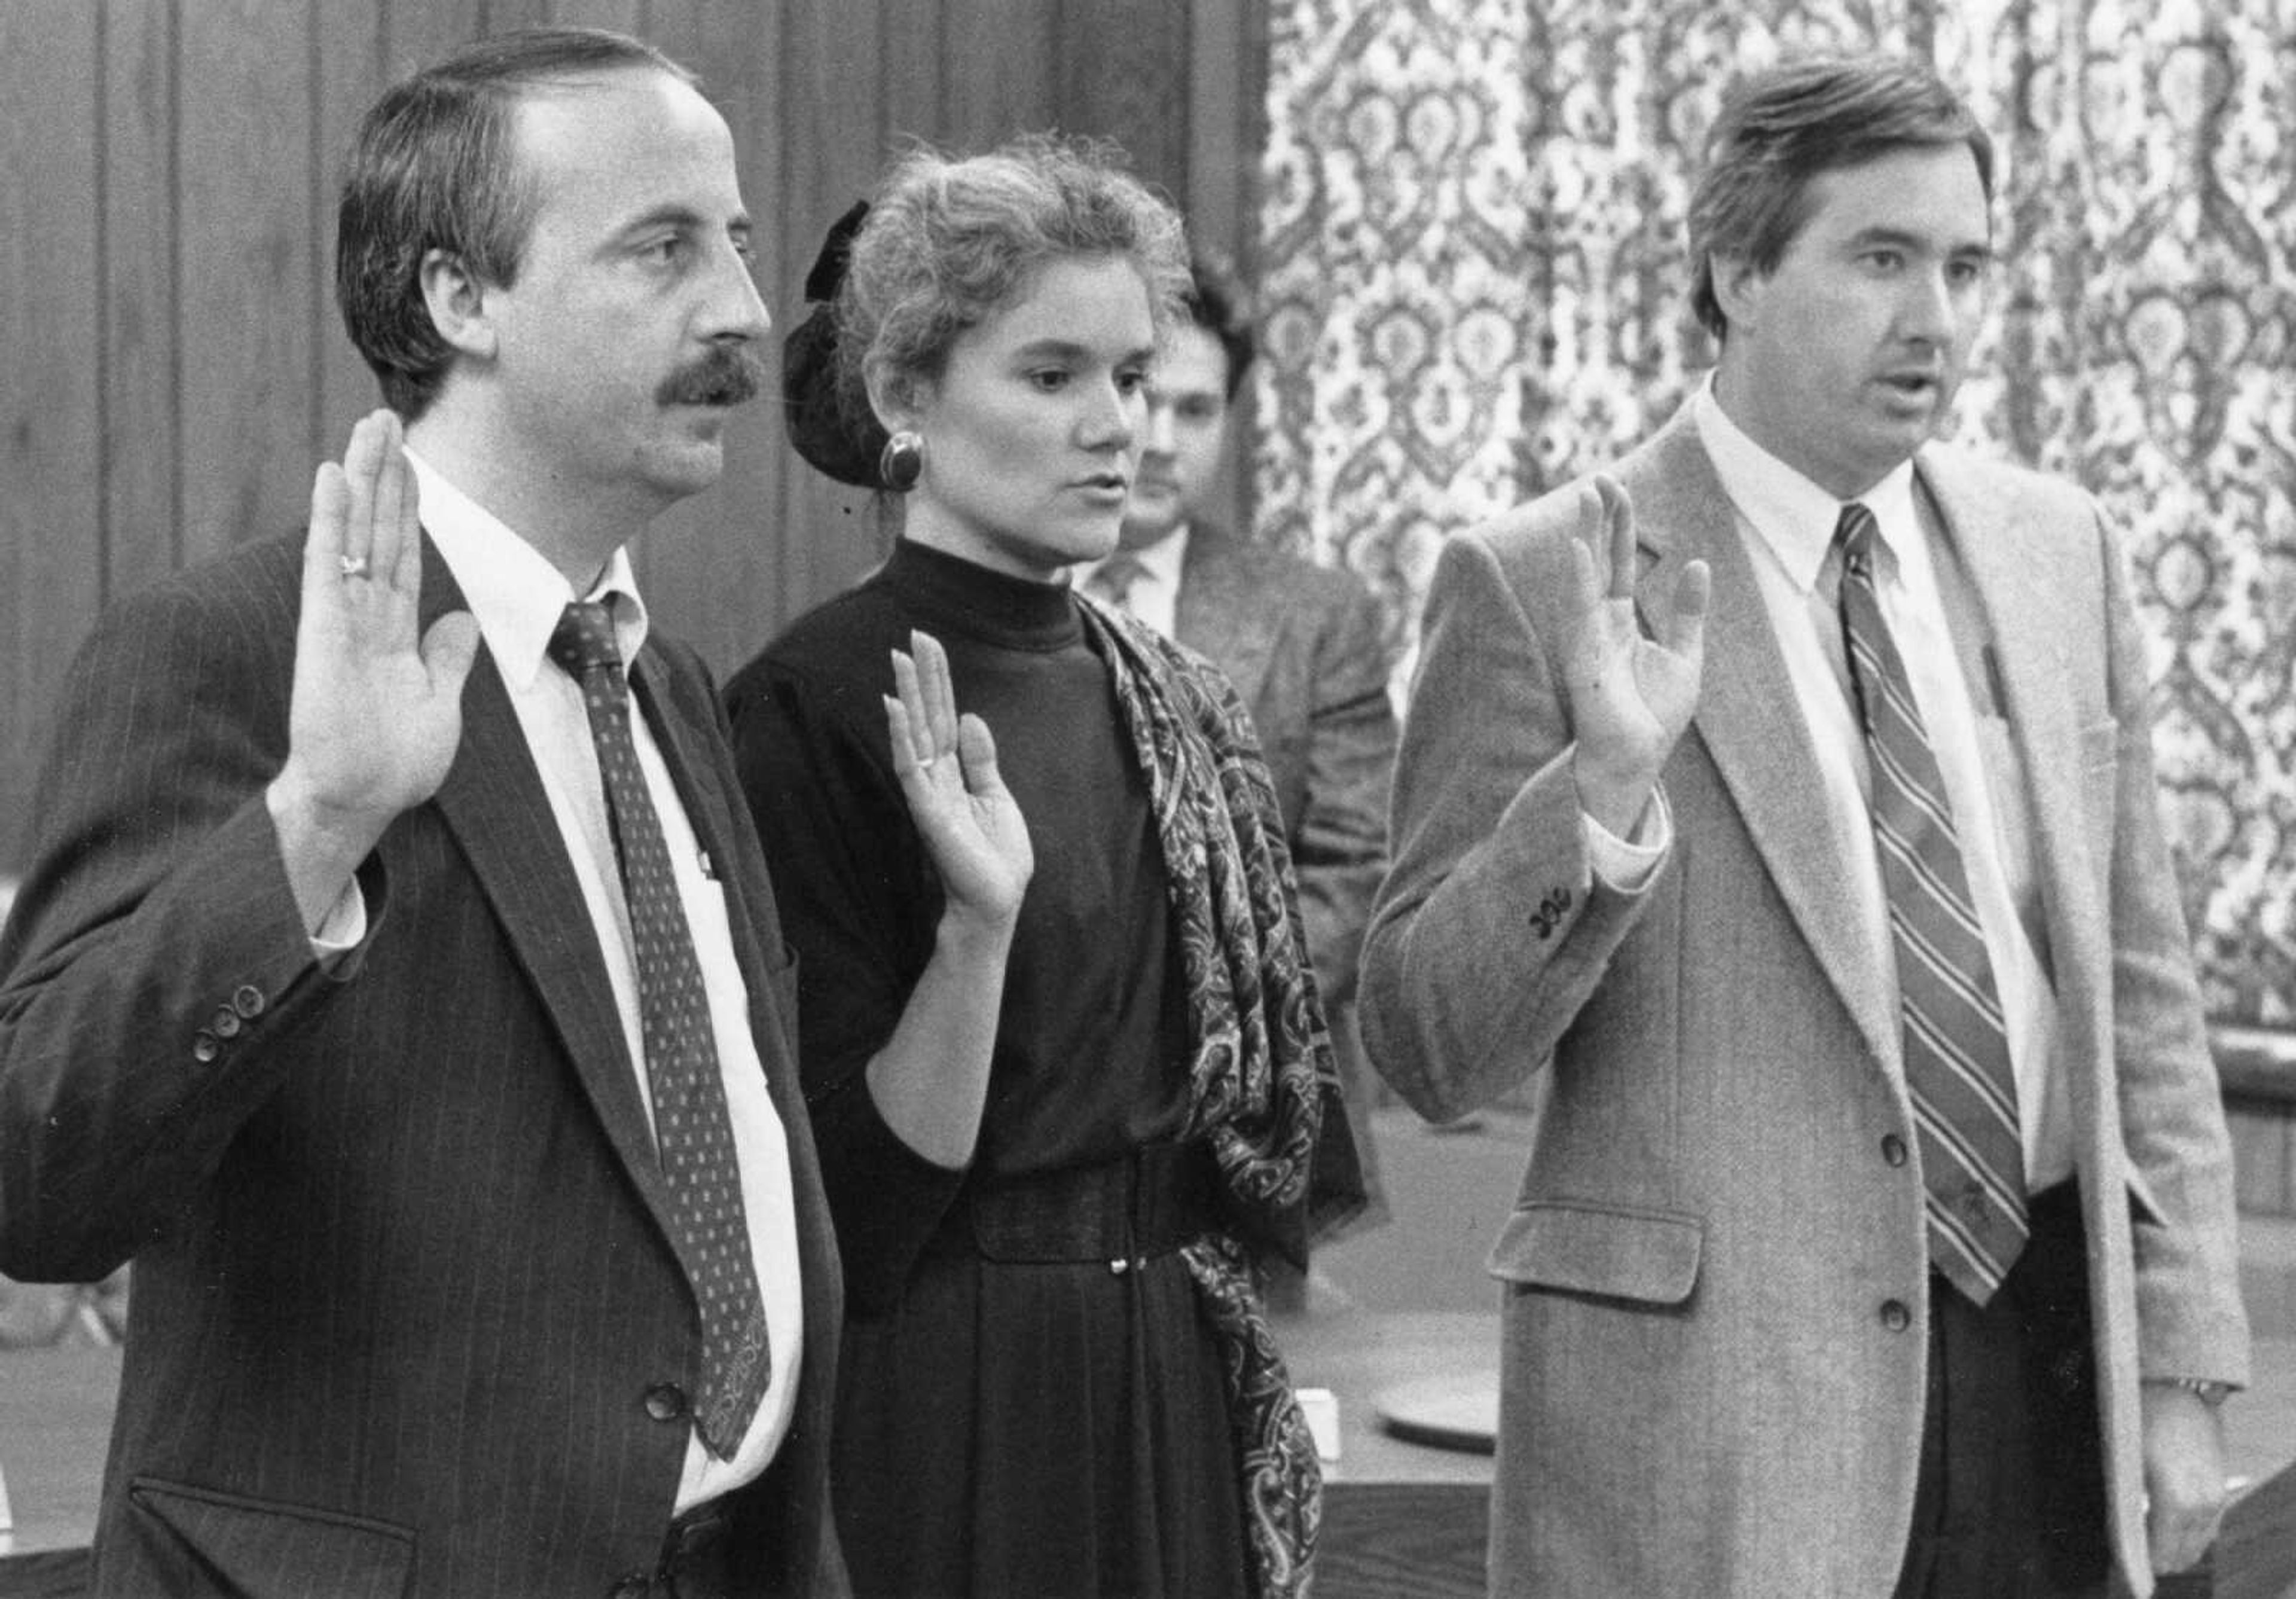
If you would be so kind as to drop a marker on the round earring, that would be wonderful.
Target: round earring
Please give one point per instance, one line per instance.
(902, 461)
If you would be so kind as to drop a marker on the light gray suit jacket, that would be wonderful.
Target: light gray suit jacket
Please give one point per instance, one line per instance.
(1702, 1393)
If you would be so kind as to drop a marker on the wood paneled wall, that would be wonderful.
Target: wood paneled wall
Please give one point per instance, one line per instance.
(171, 363)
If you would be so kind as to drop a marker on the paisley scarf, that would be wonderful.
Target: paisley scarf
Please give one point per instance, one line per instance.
(1264, 1087)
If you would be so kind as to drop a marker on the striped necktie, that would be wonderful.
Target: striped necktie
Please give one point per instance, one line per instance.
(1957, 1069)
(693, 1135)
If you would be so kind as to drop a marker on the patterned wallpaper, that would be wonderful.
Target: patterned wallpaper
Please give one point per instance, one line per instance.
(1474, 286)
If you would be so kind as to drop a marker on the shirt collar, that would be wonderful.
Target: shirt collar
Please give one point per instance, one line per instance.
(1162, 560)
(1792, 516)
(515, 593)
(1159, 562)
(1165, 557)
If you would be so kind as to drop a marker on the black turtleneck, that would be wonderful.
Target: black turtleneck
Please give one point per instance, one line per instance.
(1087, 1060)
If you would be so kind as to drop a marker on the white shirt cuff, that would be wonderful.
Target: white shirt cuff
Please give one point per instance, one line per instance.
(342, 929)
(1625, 866)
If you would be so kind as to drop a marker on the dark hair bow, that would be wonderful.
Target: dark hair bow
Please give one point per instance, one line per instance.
(841, 446)
(836, 250)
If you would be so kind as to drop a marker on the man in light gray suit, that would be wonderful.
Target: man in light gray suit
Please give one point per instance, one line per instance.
(1787, 796)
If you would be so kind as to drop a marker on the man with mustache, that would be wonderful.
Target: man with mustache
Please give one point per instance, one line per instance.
(1787, 798)
(397, 979)
(1303, 643)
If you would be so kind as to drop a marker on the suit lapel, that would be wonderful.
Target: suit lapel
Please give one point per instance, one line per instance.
(707, 785)
(685, 751)
(1748, 721)
(1217, 601)
(2012, 577)
(494, 803)
(2021, 568)
(689, 750)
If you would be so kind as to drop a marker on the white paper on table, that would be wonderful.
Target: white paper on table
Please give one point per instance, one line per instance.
(1321, 1407)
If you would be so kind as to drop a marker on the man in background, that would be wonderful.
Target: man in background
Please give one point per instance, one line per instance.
(1787, 798)
(1303, 643)
(397, 979)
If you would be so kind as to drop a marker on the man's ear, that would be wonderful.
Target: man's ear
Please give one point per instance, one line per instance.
(1737, 288)
(457, 302)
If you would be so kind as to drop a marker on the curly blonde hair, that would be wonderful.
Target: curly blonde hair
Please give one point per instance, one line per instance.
(948, 242)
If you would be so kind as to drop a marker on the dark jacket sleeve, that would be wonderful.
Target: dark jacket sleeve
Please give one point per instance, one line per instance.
(157, 971)
(1338, 840)
(858, 904)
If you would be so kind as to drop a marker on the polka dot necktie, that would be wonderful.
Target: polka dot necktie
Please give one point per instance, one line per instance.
(694, 1138)
(1957, 1069)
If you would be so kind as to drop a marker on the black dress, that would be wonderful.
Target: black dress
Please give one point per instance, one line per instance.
(1006, 1427)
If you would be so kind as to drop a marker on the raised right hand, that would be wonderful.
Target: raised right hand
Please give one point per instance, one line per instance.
(971, 824)
(376, 712)
(1630, 696)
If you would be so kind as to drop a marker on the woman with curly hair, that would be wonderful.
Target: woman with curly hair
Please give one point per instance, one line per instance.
(1065, 1062)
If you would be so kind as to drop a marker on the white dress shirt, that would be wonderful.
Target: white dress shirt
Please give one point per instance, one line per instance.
(1787, 523)
(518, 597)
(1154, 597)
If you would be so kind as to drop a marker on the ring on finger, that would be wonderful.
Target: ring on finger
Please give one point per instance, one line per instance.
(353, 566)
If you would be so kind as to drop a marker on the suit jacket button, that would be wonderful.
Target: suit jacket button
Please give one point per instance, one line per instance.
(226, 1024)
(1895, 1315)
(248, 1001)
(666, 1402)
(205, 1046)
(1893, 1149)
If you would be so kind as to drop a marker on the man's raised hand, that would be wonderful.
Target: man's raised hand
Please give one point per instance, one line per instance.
(1630, 696)
(376, 711)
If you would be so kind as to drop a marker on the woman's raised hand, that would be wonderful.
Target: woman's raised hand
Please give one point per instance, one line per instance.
(947, 768)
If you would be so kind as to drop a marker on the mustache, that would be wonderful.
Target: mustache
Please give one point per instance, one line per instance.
(730, 375)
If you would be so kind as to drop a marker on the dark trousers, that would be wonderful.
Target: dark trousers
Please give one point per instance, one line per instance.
(2010, 1503)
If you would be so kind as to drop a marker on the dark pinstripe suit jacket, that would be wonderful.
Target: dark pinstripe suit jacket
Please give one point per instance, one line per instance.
(401, 1293)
